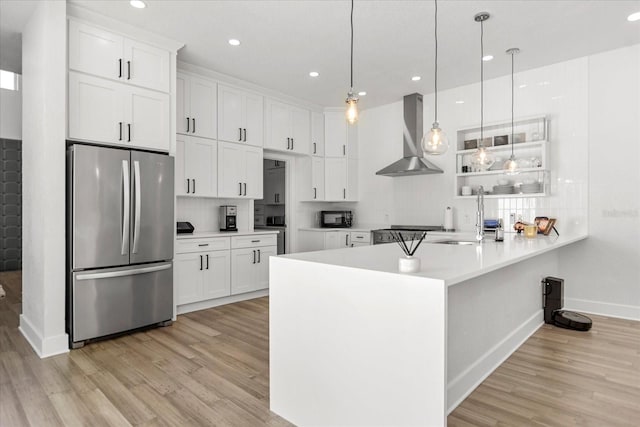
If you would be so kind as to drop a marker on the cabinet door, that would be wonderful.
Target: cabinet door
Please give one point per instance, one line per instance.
(278, 126)
(253, 167)
(352, 179)
(200, 165)
(231, 172)
(230, 114)
(335, 135)
(243, 270)
(146, 65)
(96, 110)
(203, 107)
(335, 178)
(270, 186)
(280, 185)
(331, 240)
(317, 178)
(217, 274)
(301, 130)
(253, 122)
(352, 141)
(148, 119)
(344, 239)
(95, 51)
(189, 276)
(182, 186)
(317, 134)
(262, 270)
(182, 104)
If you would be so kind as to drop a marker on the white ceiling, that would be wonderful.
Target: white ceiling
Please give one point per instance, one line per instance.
(283, 40)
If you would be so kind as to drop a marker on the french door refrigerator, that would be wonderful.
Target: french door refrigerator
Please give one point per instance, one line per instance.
(119, 242)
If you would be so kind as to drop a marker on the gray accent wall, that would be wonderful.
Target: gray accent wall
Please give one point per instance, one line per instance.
(11, 205)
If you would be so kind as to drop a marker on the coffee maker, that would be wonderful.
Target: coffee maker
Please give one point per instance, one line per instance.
(228, 216)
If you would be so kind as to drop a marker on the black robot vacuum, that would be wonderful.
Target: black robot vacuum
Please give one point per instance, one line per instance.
(553, 300)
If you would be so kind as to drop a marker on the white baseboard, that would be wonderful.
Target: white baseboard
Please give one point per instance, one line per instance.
(622, 311)
(203, 305)
(46, 347)
(460, 387)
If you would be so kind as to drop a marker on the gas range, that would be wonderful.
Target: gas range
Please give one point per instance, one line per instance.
(409, 232)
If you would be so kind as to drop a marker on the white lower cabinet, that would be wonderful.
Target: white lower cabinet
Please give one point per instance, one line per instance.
(250, 262)
(333, 239)
(203, 275)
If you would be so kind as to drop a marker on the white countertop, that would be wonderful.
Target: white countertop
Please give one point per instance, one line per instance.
(211, 234)
(356, 229)
(451, 263)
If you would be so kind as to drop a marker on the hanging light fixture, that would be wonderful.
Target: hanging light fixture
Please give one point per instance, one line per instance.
(435, 141)
(352, 99)
(482, 159)
(511, 165)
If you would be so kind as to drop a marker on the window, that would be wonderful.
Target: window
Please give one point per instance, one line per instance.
(9, 80)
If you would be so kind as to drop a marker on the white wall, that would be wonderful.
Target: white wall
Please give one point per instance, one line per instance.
(44, 49)
(602, 274)
(204, 213)
(587, 100)
(11, 114)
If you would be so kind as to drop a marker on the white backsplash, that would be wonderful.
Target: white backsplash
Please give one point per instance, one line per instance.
(203, 213)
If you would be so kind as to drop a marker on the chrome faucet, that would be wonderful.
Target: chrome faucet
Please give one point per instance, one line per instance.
(480, 215)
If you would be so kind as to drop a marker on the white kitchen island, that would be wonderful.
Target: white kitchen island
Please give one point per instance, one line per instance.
(353, 342)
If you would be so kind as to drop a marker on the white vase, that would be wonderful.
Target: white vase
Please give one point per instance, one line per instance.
(408, 264)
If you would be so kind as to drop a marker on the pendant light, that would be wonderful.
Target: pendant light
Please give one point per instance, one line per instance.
(482, 159)
(511, 165)
(352, 99)
(435, 141)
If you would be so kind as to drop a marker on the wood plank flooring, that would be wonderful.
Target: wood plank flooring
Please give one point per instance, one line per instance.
(211, 368)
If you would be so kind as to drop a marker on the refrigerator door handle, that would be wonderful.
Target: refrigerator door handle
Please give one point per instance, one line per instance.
(126, 185)
(138, 202)
(121, 273)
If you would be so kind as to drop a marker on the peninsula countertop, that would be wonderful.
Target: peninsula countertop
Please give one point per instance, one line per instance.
(450, 263)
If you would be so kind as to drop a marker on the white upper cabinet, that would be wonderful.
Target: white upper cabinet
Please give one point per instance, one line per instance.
(196, 167)
(240, 116)
(335, 135)
(102, 53)
(317, 134)
(239, 171)
(196, 106)
(106, 111)
(288, 128)
(341, 179)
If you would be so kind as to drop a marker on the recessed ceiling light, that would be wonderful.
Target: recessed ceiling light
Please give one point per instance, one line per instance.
(634, 17)
(234, 42)
(487, 57)
(459, 102)
(362, 93)
(416, 78)
(138, 4)
(314, 74)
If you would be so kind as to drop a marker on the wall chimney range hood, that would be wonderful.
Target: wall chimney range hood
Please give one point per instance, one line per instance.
(413, 162)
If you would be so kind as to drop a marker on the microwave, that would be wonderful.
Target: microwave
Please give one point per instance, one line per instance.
(335, 219)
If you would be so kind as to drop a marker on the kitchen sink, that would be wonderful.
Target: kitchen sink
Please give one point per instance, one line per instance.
(455, 242)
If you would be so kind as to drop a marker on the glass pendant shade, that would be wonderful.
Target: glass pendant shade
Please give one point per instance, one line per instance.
(435, 141)
(352, 108)
(482, 160)
(511, 166)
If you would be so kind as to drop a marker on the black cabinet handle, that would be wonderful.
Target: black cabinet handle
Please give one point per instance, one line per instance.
(200, 262)
(129, 132)
(194, 125)
(254, 256)
(245, 134)
(258, 255)
(315, 193)
(240, 137)
(207, 261)
(120, 68)
(292, 141)
(188, 124)
(194, 186)
(344, 150)
(346, 240)
(288, 143)
(203, 244)
(128, 70)
(245, 188)
(344, 193)
(120, 137)
(188, 188)
(314, 148)
(240, 193)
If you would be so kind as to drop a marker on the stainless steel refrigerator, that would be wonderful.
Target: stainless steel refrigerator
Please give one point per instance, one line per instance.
(120, 234)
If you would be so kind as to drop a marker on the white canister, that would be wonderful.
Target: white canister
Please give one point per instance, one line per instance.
(466, 190)
(448, 219)
(409, 264)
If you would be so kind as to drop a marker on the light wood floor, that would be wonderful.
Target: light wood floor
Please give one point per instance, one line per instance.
(211, 368)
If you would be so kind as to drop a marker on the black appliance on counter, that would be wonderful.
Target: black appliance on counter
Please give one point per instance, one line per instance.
(184, 227)
(409, 232)
(228, 214)
(336, 219)
(553, 300)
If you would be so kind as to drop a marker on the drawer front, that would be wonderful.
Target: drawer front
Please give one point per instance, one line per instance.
(360, 237)
(239, 242)
(202, 245)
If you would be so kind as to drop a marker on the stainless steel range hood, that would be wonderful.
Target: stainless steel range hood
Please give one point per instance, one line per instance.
(413, 162)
